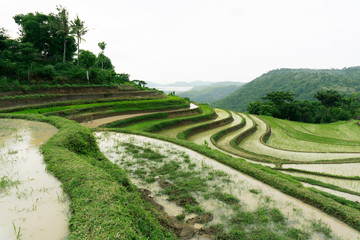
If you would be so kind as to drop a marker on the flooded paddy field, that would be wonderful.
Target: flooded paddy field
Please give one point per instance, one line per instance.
(343, 169)
(189, 184)
(32, 203)
(253, 144)
(352, 185)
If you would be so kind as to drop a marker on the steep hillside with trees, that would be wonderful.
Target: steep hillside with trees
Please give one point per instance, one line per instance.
(303, 82)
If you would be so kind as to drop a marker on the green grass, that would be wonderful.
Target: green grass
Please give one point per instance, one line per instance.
(206, 126)
(119, 106)
(6, 183)
(159, 124)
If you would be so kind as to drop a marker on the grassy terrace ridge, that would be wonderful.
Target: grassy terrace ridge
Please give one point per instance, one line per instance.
(241, 152)
(282, 182)
(25, 89)
(159, 124)
(295, 134)
(325, 185)
(206, 126)
(154, 116)
(319, 173)
(104, 204)
(77, 102)
(217, 136)
(116, 106)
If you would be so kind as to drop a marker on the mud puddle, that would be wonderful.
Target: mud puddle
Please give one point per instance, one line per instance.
(214, 179)
(32, 205)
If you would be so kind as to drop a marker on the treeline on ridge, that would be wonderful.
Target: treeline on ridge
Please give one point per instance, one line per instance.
(330, 107)
(48, 52)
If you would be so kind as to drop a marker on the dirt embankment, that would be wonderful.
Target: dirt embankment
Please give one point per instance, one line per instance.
(71, 96)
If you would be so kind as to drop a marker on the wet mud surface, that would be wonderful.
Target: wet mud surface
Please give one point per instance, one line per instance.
(32, 203)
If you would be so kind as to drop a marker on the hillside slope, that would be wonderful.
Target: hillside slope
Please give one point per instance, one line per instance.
(303, 82)
(211, 93)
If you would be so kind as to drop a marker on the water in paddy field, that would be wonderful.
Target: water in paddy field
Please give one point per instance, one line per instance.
(298, 214)
(32, 205)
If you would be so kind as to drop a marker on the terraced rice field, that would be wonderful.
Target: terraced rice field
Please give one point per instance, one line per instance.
(295, 137)
(210, 182)
(200, 193)
(253, 144)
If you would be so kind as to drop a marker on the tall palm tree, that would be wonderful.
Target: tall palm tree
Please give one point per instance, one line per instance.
(102, 46)
(62, 25)
(78, 28)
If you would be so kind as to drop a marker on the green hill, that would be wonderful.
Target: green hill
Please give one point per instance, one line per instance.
(303, 82)
(211, 93)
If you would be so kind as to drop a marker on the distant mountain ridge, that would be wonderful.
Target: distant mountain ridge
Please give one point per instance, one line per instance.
(303, 82)
(212, 92)
(179, 84)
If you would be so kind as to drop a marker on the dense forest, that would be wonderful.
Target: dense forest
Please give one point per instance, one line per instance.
(48, 52)
(304, 83)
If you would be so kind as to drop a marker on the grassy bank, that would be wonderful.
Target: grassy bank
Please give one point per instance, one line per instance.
(104, 204)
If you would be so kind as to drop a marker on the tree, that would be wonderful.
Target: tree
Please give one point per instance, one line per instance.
(329, 98)
(28, 55)
(88, 60)
(102, 46)
(61, 25)
(78, 28)
(279, 97)
(35, 29)
(3, 37)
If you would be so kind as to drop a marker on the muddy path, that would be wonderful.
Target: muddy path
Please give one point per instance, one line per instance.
(173, 132)
(102, 121)
(253, 144)
(32, 203)
(251, 193)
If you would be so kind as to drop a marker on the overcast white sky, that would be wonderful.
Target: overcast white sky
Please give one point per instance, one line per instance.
(211, 40)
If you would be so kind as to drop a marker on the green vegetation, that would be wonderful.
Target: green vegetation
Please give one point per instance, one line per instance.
(120, 106)
(45, 52)
(157, 125)
(302, 82)
(98, 188)
(6, 183)
(284, 136)
(332, 106)
(204, 127)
